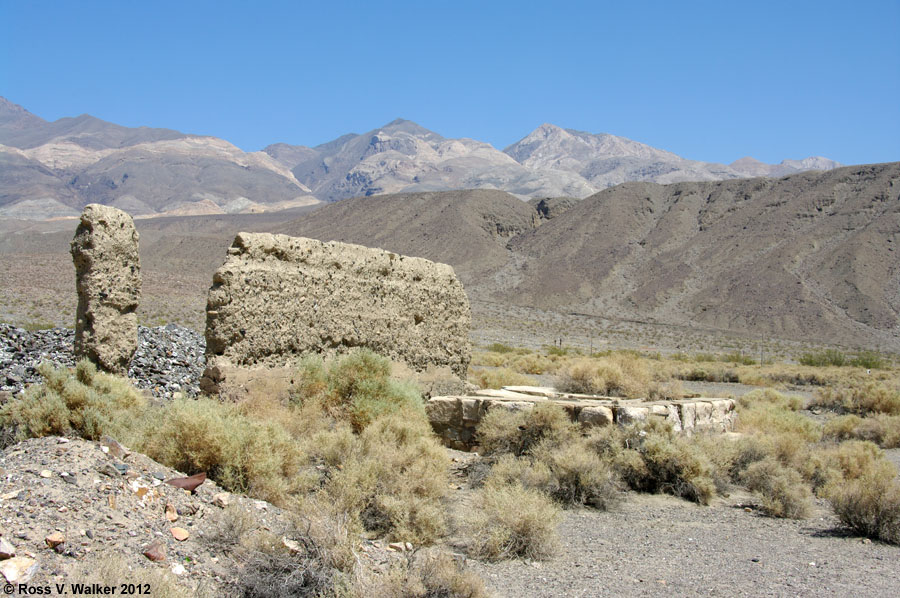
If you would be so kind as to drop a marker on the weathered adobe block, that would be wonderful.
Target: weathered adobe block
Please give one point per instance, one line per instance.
(108, 280)
(278, 297)
(455, 418)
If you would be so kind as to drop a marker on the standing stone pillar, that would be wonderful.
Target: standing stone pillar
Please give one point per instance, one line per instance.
(108, 279)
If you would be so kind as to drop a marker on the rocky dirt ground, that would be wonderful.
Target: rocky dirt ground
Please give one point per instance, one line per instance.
(108, 504)
(659, 545)
(655, 545)
(70, 506)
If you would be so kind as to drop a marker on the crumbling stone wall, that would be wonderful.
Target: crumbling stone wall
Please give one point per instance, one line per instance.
(108, 280)
(277, 297)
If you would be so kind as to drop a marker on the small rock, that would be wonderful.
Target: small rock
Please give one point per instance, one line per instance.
(292, 545)
(11, 495)
(155, 551)
(409, 546)
(115, 449)
(46, 473)
(108, 470)
(397, 546)
(171, 513)
(221, 500)
(7, 550)
(179, 533)
(18, 569)
(55, 539)
(178, 569)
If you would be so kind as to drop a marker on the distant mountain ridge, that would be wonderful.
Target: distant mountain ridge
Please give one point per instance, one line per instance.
(808, 256)
(52, 169)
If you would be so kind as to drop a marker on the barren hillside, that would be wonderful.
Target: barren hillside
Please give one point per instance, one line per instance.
(809, 255)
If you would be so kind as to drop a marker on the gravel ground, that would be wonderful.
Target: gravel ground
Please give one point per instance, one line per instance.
(168, 359)
(655, 545)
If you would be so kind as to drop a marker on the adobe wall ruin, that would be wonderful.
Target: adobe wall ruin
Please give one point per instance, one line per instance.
(108, 280)
(278, 297)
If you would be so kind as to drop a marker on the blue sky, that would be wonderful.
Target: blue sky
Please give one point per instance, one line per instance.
(707, 80)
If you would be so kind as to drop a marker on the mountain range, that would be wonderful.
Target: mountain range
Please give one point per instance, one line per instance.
(52, 169)
(811, 256)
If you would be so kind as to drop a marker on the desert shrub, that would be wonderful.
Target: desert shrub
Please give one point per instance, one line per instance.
(500, 430)
(394, 478)
(500, 348)
(512, 521)
(861, 399)
(571, 474)
(834, 463)
(827, 357)
(669, 465)
(650, 457)
(738, 357)
(579, 476)
(870, 504)
(107, 572)
(311, 380)
(319, 563)
(434, 574)
(517, 432)
(232, 527)
(782, 490)
(489, 359)
(562, 351)
(499, 377)
(84, 402)
(708, 373)
(883, 430)
(869, 360)
(356, 387)
(773, 418)
(617, 374)
(532, 364)
(241, 453)
(772, 397)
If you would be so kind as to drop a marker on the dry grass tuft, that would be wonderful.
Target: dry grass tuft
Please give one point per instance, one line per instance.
(861, 399)
(499, 377)
(870, 504)
(883, 430)
(782, 490)
(430, 574)
(512, 521)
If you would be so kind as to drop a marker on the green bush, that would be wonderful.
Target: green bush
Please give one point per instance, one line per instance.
(827, 357)
(738, 357)
(84, 402)
(500, 348)
(356, 387)
(869, 360)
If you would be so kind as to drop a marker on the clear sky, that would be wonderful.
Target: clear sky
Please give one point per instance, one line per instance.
(707, 80)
